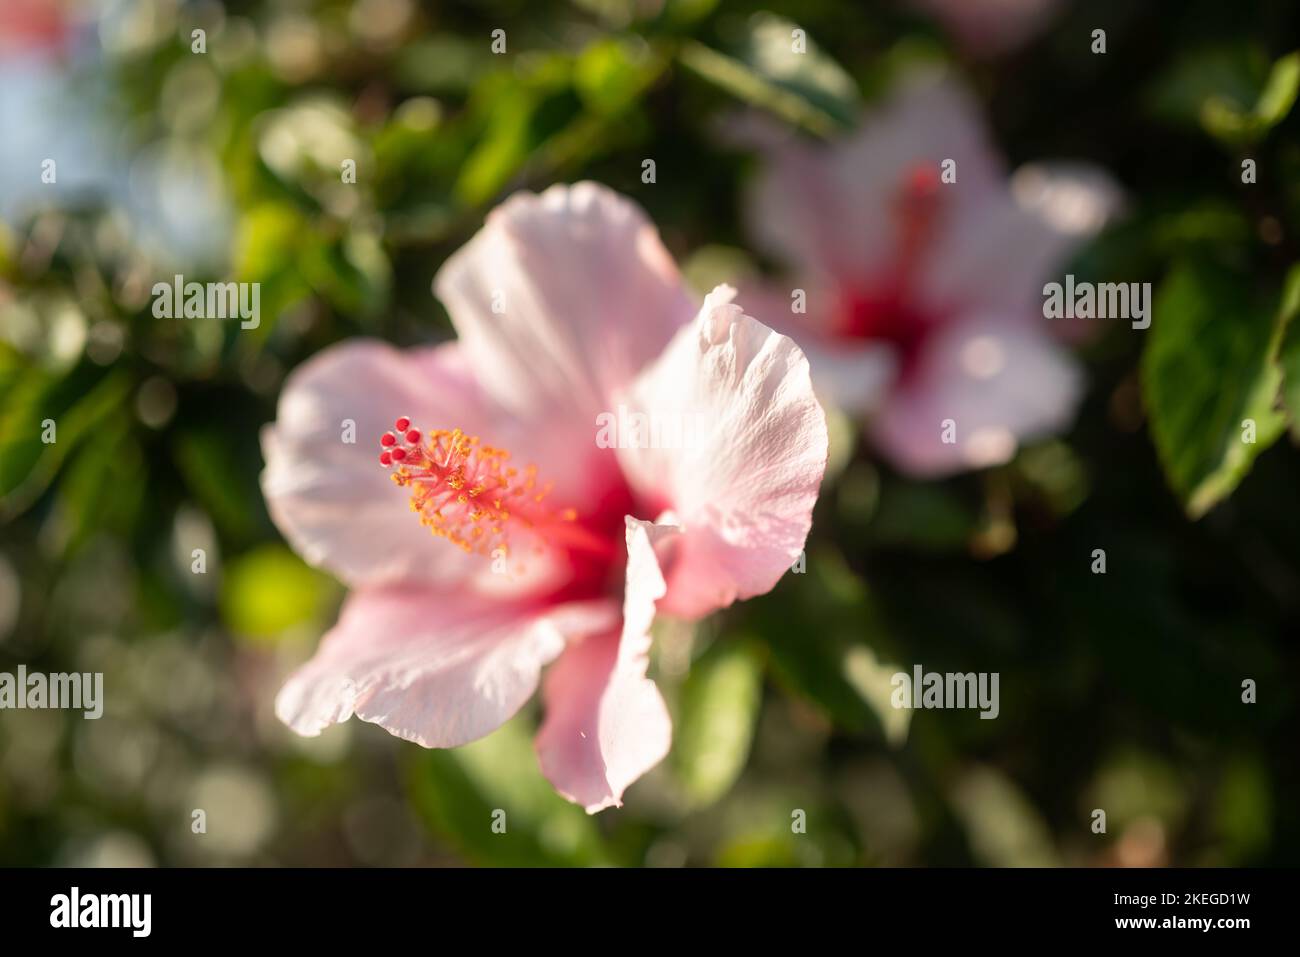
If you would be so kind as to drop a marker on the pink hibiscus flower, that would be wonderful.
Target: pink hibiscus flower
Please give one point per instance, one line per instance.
(472, 568)
(924, 308)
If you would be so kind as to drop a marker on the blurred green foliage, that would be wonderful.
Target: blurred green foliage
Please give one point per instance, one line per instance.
(1120, 690)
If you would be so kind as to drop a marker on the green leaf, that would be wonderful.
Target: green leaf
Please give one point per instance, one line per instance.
(684, 13)
(442, 63)
(1232, 92)
(610, 75)
(519, 111)
(217, 476)
(921, 516)
(1289, 354)
(1244, 806)
(1230, 73)
(269, 589)
(266, 250)
(873, 679)
(770, 848)
(103, 485)
(1280, 91)
(352, 274)
(770, 69)
(1209, 367)
(1005, 828)
(462, 792)
(1133, 785)
(814, 626)
(719, 709)
(1230, 123)
(500, 152)
(268, 235)
(28, 397)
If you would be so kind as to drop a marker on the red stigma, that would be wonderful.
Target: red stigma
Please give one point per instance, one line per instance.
(469, 494)
(922, 181)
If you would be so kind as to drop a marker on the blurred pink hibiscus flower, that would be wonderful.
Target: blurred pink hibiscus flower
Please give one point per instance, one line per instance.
(921, 268)
(472, 568)
(33, 27)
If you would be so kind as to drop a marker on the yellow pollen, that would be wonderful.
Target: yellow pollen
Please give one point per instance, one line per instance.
(461, 489)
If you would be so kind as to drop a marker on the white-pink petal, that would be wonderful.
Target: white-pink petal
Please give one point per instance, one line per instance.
(744, 459)
(323, 484)
(986, 384)
(439, 668)
(606, 723)
(561, 297)
(998, 253)
(830, 210)
(853, 375)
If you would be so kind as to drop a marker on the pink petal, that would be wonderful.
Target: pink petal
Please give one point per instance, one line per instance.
(998, 253)
(606, 723)
(1000, 384)
(586, 295)
(331, 499)
(440, 668)
(743, 447)
(853, 375)
(827, 210)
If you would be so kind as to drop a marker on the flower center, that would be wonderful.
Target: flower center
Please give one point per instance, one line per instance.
(917, 210)
(470, 494)
(883, 309)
